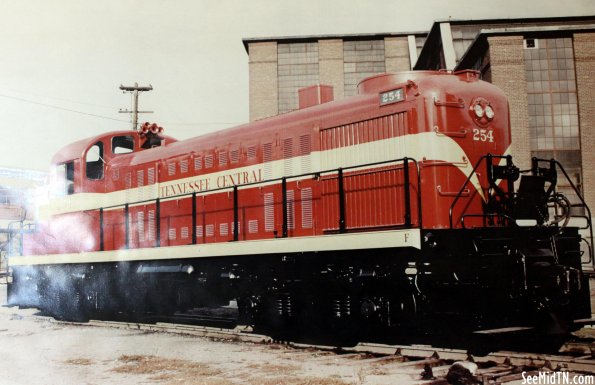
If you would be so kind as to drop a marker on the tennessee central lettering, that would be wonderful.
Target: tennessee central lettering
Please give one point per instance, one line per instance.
(209, 183)
(196, 185)
(239, 178)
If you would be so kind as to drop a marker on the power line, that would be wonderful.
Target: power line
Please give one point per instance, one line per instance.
(114, 119)
(62, 108)
(12, 90)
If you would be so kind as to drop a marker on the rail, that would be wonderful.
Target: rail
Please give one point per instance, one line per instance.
(575, 356)
(342, 202)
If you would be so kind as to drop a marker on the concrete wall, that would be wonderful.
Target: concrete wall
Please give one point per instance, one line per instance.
(264, 98)
(330, 65)
(396, 52)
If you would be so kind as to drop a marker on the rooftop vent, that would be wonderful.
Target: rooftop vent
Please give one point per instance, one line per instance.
(315, 95)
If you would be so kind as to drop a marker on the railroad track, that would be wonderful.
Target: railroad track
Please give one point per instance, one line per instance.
(431, 365)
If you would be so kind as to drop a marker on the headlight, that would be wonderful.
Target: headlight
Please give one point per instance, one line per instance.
(489, 112)
(478, 111)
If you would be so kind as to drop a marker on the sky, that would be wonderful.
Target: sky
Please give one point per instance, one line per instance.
(62, 61)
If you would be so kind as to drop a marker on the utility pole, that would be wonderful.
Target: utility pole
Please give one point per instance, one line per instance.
(135, 90)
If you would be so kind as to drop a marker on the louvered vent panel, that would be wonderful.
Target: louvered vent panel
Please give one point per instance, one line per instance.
(151, 175)
(140, 216)
(307, 208)
(151, 225)
(269, 212)
(267, 154)
(253, 226)
(184, 166)
(234, 155)
(223, 229)
(290, 209)
(130, 233)
(223, 158)
(288, 156)
(209, 161)
(251, 152)
(305, 151)
(198, 163)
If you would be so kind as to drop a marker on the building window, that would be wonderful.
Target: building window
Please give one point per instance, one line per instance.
(361, 58)
(531, 43)
(297, 68)
(553, 106)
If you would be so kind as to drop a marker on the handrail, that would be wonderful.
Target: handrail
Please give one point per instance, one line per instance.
(285, 227)
(407, 196)
(578, 194)
(484, 216)
(556, 165)
(314, 174)
(461, 192)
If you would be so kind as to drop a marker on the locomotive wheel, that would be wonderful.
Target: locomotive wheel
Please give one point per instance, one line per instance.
(271, 318)
(248, 310)
(275, 317)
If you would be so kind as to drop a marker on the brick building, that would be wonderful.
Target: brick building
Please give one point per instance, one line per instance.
(280, 66)
(546, 67)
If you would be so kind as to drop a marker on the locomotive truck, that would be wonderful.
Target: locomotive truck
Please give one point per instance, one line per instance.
(398, 211)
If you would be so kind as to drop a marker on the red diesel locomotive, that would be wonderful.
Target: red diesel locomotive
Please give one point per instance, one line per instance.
(393, 210)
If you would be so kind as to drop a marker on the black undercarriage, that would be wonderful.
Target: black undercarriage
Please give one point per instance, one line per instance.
(461, 281)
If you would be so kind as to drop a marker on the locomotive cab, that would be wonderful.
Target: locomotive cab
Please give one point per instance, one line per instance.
(82, 166)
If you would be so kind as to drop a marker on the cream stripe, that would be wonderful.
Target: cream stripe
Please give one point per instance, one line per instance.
(427, 145)
(338, 242)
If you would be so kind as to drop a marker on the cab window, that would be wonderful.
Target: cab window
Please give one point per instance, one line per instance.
(94, 161)
(122, 144)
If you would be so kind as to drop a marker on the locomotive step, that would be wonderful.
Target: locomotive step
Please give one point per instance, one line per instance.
(500, 331)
